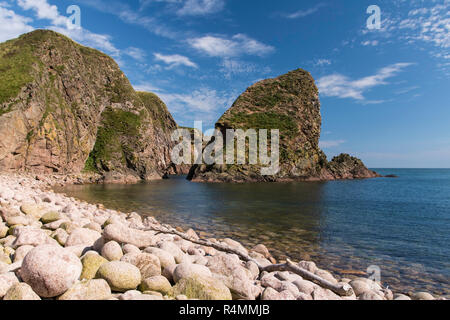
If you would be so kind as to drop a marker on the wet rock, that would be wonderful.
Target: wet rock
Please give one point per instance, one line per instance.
(422, 296)
(320, 293)
(262, 249)
(401, 297)
(370, 295)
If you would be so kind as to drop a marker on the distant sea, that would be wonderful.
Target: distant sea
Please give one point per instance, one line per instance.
(401, 225)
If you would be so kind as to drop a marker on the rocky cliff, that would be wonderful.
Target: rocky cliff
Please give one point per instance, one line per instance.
(67, 108)
(291, 104)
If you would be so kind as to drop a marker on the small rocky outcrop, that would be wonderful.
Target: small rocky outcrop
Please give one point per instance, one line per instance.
(291, 104)
(66, 108)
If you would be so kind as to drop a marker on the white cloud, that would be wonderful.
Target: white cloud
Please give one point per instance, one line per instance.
(305, 13)
(201, 7)
(44, 10)
(430, 25)
(237, 45)
(331, 143)
(203, 99)
(322, 62)
(128, 15)
(11, 24)
(423, 25)
(231, 67)
(147, 87)
(62, 24)
(175, 60)
(338, 85)
(136, 53)
(372, 43)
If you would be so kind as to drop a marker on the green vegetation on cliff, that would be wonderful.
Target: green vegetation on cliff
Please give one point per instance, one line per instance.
(16, 61)
(117, 126)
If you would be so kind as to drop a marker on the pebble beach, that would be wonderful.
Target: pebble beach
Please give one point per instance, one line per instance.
(57, 247)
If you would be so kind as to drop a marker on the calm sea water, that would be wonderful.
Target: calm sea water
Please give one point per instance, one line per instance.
(401, 225)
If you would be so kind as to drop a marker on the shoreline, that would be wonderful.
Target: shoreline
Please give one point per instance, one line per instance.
(82, 228)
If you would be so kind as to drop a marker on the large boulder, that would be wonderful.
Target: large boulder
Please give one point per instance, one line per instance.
(230, 270)
(121, 276)
(50, 270)
(21, 291)
(125, 235)
(165, 258)
(83, 236)
(147, 263)
(7, 280)
(156, 283)
(202, 288)
(187, 270)
(112, 251)
(32, 236)
(91, 262)
(97, 289)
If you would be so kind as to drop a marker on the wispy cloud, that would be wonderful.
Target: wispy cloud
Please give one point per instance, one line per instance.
(338, 85)
(59, 23)
(201, 7)
(136, 53)
(305, 12)
(322, 62)
(147, 87)
(424, 25)
(11, 24)
(175, 60)
(326, 144)
(239, 44)
(132, 17)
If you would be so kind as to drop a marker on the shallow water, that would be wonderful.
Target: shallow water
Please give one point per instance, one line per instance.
(401, 225)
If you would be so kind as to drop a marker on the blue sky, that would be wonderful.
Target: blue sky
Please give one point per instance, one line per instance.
(385, 92)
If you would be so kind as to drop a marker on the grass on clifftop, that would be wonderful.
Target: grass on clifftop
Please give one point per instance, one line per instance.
(265, 120)
(115, 124)
(16, 61)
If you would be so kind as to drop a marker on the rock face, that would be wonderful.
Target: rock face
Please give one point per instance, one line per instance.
(67, 108)
(291, 104)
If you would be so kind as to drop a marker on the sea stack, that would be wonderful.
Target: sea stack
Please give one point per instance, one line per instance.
(291, 104)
